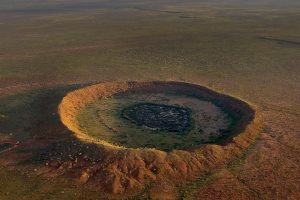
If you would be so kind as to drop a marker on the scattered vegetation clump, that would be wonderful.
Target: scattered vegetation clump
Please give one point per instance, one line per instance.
(5, 146)
(158, 117)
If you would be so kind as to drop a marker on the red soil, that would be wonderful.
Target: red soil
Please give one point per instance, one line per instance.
(121, 170)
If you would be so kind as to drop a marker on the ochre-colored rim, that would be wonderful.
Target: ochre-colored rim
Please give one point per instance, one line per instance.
(76, 100)
(177, 164)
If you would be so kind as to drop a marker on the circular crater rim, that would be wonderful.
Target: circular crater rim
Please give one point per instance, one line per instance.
(74, 101)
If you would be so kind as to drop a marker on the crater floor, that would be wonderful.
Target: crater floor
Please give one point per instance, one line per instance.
(161, 120)
(158, 117)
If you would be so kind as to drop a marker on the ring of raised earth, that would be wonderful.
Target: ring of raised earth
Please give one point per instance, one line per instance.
(164, 131)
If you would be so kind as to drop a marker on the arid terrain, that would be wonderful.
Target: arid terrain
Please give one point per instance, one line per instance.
(249, 50)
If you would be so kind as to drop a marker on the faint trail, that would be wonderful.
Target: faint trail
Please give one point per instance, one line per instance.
(103, 44)
(160, 11)
(22, 87)
(105, 125)
(281, 41)
(37, 85)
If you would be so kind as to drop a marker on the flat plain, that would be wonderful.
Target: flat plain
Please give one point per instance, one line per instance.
(248, 50)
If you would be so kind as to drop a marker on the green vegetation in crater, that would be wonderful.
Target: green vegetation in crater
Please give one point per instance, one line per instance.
(104, 120)
(159, 117)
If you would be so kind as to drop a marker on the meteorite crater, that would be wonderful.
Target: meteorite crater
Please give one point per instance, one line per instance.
(154, 115)
(130, 134)
(159, 117)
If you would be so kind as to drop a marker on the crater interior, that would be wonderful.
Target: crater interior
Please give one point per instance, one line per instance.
(163, 119)
(158, 116)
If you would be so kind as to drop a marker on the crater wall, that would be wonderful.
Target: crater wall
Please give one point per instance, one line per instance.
(127, 169)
